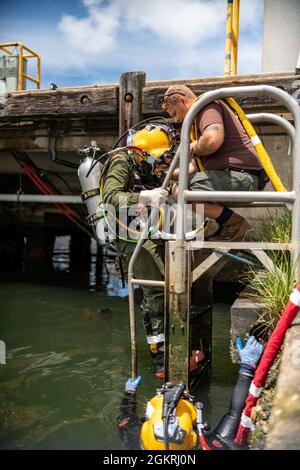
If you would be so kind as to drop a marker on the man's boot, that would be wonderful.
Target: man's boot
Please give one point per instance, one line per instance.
(157, 352)
(155, 341)
(236, 228)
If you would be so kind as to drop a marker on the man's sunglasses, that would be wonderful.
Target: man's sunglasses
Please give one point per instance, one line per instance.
(164, 99)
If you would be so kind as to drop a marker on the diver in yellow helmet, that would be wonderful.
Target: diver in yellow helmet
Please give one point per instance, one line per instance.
(173, 419)
(224, 158)
(132, 176)
(156, 140)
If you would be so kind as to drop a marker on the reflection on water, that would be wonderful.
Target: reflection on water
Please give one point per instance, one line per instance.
(68, 357)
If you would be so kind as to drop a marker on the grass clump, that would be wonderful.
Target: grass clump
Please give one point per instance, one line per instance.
(278, 229)
(273, 287)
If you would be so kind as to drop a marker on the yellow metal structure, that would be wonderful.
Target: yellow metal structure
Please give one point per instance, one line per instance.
(232, 37)
(186, 414)
(23, 52)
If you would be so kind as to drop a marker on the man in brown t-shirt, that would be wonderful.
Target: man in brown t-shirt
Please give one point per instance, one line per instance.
(225, 152)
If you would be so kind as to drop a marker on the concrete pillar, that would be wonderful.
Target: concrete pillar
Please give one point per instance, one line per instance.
(281, 38)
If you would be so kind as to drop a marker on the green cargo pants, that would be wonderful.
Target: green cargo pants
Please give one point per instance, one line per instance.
(223, 180)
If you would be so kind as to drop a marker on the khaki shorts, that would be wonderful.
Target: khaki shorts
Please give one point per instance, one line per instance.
(223, 180)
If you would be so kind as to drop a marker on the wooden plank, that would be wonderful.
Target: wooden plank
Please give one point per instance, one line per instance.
(267, 262)
(62, 102)
(104, 99)
(197, 245)
(205, 266)
(290, 83)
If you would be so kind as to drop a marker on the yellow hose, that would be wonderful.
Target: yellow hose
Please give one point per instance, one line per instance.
(260, 149)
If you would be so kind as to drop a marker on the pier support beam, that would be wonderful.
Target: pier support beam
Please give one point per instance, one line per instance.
(130, 99)
(177, 319)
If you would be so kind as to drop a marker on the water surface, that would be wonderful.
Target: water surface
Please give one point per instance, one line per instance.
(68, 357)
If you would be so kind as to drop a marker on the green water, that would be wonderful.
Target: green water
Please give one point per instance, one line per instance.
(68, 357)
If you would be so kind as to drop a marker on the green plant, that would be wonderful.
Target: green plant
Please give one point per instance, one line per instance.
(278, 227)
(273, 287)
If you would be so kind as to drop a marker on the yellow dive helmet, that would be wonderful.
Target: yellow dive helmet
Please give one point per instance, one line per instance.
(181, 432)
(155, 140)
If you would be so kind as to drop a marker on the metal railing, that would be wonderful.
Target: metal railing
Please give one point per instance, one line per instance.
(184, 195)
(30, 54)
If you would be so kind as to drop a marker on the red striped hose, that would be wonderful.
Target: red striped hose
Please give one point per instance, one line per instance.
(268, 358)
(64, 208)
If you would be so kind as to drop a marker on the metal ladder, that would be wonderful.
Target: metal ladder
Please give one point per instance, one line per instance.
(178, 275)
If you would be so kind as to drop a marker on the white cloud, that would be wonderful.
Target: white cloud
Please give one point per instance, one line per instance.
(95, 33)
(168, 39)
(181, 21)
(177, 34)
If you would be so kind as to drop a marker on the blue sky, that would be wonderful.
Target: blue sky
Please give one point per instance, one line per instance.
(84, 42)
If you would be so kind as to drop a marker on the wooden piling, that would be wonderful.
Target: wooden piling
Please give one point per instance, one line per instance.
(177, 323)
(130, 99)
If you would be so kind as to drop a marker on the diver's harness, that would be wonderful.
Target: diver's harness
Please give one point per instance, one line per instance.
(259, 147)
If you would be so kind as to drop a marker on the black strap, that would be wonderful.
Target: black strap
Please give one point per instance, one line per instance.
(90, 193)
(93, 218)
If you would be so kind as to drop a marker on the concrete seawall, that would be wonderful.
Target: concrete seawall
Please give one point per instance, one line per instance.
(285, 418)
(284, 424)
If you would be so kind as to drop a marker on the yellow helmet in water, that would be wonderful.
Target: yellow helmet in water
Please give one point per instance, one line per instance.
(154, 139)
(181, 432)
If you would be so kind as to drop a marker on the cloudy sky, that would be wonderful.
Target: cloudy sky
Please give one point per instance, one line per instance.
(85, 42)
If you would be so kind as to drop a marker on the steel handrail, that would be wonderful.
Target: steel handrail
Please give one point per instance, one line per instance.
(291, 197)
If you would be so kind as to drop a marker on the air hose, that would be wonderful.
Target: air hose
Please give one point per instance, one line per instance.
(172, 396)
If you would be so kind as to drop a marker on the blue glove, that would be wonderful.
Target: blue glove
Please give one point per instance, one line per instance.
(250, 354)
(131, 385)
